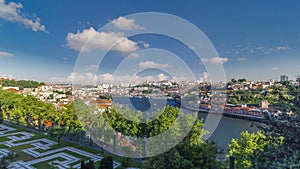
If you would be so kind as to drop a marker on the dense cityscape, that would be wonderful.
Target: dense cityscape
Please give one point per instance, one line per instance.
(50, 108)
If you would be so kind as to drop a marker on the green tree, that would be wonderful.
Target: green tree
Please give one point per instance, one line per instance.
(12, 156)
(286, 155)
(233, 81)
(91, 164)
(249, 146)
(57, 132)
(4, 163)
(1, 117)
(106, 163)
(21, 83)
(193, 152)
(242, 80)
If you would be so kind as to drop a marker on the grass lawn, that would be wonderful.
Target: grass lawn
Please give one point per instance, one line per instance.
(46, 164)
(2, 139)
(20, 155)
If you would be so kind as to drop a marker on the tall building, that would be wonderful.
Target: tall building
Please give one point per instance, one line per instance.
(206, 77)
(298, 78)
(284, 78)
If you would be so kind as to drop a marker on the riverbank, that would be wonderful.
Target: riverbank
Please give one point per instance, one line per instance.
(231, 115)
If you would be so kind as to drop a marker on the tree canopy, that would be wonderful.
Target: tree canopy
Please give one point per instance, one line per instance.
(277, 144)
(21, 83)
(31, 111)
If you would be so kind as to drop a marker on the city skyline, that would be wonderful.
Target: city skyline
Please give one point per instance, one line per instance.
(42, 40)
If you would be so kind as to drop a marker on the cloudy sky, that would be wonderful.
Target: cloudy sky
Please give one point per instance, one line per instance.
(43, 40)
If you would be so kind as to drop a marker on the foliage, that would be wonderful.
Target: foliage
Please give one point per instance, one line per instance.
(4, 162)
(29, 110)
(193, 152)
(244, 97)
(1, 117)
(233, 80)
(126, 162)
(89, 165)
(104, 97)
(57, 132)
(106, 163)
(12, 156)
(21, 83)
(288, 154)
(249, 146)
(277, 145)
(242, 80)
(133, 127)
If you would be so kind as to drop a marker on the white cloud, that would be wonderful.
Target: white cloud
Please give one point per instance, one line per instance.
(65, 58)
(100, 40)
(126, 24)
(278, 48)
(92, 68)
(251, 49)
(162, 76)
(90, 78)
(87, 78)
(241, 59)
(105, 78)
(146, 45)
(12, 12)
(133, 56)
(192, 47)
(206, 77)
(151, 64)
(275, 68)
(215, 60)
(5, 54)
(275, 49)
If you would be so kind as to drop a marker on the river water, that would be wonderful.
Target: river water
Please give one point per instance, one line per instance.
(227, 128)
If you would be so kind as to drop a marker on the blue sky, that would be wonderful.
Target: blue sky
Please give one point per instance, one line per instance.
(40, 40)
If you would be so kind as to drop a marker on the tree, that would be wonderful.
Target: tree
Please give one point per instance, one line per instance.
(192, 152)
(4, 163)
(21, 83)
(242, 80)
(106, 163)
(12, 156)
(233, 81)
(91, 164)
(288, 154)
(170, 159)
(83, 165)
(1, 117)
(249, 146)
(28, 109)
(57, 132)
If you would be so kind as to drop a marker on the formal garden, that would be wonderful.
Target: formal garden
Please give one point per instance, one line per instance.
(26, 149)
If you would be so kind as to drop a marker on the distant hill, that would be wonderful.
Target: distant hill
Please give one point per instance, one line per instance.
(21, 83)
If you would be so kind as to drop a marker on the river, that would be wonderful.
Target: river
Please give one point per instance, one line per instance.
(227, 128)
